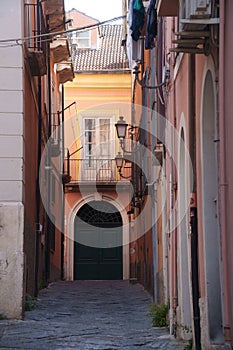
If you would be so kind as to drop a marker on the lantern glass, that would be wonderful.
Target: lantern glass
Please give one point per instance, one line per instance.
(121, 127)
(119, 160)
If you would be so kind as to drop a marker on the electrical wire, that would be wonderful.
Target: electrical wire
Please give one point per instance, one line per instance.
(9, 45)
(62, 32)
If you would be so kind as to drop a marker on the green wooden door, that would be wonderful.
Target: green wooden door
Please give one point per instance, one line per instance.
(97, 245)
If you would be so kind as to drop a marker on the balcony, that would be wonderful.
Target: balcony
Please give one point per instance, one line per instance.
(96, 171)
(65, 72)
(54, 10)
(55, 14)
(60, 50)
(35, 47)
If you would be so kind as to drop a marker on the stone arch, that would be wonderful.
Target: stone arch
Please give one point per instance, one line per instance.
(69, 270)
(98, 242)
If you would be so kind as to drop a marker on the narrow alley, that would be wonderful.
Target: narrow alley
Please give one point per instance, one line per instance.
(88, 315)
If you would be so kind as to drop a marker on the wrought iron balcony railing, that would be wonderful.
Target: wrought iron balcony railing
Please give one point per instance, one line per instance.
(94, 170)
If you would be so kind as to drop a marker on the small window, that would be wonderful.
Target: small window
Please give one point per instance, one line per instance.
(81, 39)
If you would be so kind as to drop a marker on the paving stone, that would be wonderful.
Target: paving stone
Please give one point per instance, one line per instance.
(88, 315)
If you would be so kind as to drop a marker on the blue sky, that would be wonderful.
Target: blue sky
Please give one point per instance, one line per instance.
(98, 9)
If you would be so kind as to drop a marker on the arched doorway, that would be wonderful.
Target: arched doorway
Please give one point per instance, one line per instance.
(210, 212)
(98, 242)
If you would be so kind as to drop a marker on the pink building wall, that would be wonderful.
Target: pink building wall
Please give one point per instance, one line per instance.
(226, 165)
(178, 113)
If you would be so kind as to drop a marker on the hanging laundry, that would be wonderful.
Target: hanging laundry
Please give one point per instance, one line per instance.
(133, 48)
(138, 19)
(151, 26)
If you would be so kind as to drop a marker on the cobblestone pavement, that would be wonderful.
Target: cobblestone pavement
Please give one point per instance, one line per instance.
(88, 315)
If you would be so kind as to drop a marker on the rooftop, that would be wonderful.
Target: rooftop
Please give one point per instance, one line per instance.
(109, 56)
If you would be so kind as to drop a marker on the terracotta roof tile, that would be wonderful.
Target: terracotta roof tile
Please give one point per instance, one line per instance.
(109, 56)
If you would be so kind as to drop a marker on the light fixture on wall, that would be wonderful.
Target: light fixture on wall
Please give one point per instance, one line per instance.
(121, 129)
(129, 155)
(119, 161)
(120, 164)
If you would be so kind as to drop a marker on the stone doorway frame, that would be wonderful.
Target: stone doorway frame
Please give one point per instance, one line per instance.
(69, 241)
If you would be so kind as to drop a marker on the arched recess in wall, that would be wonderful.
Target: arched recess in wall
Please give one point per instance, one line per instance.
(71, 229)
(210, 211)
(184, 300)
(98, 242)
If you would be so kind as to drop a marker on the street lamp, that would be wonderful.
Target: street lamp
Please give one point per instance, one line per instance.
(128, 155)
(119, 161)
(121, 127)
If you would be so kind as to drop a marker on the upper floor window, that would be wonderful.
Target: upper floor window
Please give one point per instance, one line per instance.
(81, 39)
(98, 136)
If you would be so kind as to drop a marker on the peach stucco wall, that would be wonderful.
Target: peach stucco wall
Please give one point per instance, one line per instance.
(100, 93)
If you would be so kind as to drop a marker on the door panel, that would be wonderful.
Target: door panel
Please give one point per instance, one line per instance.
(104, 259)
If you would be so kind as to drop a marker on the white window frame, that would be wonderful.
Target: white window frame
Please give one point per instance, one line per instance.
(97, 128)
(97, 166)
(77, 40)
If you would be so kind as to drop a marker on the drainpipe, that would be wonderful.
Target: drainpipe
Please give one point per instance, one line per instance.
(48, 221)
(193, 206)
(38, 201)
(63, 188)
(133, 274)
(160, 63)
(173, 228)
(153, 205)
(154, 244)
(173, 233)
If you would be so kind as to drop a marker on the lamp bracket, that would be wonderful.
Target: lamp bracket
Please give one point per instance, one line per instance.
(142, 82)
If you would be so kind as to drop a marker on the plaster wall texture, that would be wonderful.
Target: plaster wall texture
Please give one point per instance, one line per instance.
(11, 162)
(11, 259)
